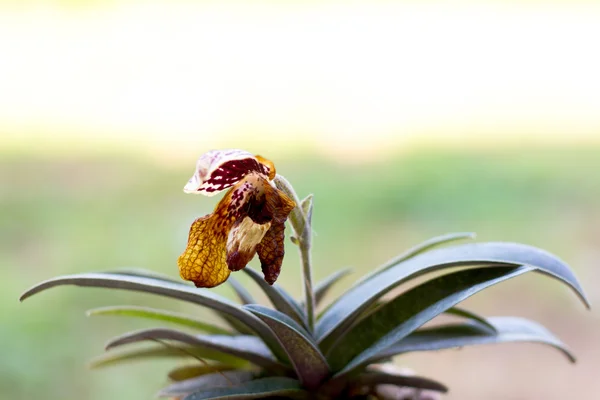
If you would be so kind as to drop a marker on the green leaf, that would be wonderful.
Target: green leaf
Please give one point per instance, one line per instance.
(145, 273)
(310, 365)
(202, 297)
(163, 351)
(206, 382)
(377, 378)
(344, 312)
(509, 329)
(418, 249)
(476, 319)
(248, 348)
(237, 325)
(159, 315)
(408, 311)
(242, 293)
(191, 371)
(256, 389)
(280, 299)
(322, 288)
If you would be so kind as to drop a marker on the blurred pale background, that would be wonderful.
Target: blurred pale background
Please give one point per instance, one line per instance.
(405, 119)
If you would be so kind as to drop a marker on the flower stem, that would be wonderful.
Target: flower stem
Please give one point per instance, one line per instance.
(300, 219)
(308, 289)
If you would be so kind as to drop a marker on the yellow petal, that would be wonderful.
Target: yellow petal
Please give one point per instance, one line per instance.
(204, 261)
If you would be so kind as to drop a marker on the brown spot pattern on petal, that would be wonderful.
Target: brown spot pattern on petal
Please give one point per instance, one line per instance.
(271, 250)
(267, 166)
(204, 261)
(249, 219)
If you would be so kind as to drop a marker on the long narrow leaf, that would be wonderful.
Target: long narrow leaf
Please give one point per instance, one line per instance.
(280, 299)
(310, 365)
(186, 372)
(256, 389)
(161, 352)
(206, 382)
(202, 297)
(159, 315)
(249, 348)
(323, 287)
(344, 312)
(376, 378)
(509, 329)
(418, 249)
(145, 273)
(475, 319)
(410, 310)
(237, 325)
(242, 293)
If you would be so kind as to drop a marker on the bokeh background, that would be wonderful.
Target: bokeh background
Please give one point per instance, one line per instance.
(405, 119)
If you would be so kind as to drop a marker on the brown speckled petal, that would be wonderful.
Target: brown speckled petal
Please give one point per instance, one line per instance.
(271, 250)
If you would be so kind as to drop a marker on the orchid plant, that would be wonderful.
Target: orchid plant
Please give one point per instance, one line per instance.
(287, 350)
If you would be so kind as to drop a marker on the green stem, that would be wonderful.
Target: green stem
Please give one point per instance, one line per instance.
(301, 224)
(309, 294)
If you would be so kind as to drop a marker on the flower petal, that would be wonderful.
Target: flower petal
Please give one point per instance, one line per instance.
(228, 239)
(242, 242)
(203, 261)
(271, 249)
(218, 170)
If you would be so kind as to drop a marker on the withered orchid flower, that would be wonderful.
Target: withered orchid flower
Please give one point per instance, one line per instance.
(249, 219)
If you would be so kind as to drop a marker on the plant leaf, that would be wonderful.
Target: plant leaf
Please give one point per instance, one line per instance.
(408, 311)
(202, 297)
(237, 325)
(280, 299)
(242, 293)
(376, 378)
(344, 312)
(476, 319)
(191, 371)
(249, 348)
(418, 249)
(145, 273)
(509, 329)
(158, 352)
(322, 288)
(159, 315)
(310, 365)
(206, 382)
(256, 389)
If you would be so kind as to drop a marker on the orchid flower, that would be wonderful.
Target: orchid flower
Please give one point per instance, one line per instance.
(249, 219)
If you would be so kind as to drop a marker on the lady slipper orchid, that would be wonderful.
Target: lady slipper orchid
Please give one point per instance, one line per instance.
(249, 219)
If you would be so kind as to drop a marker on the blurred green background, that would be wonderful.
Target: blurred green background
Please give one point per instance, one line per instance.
(406, 120)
